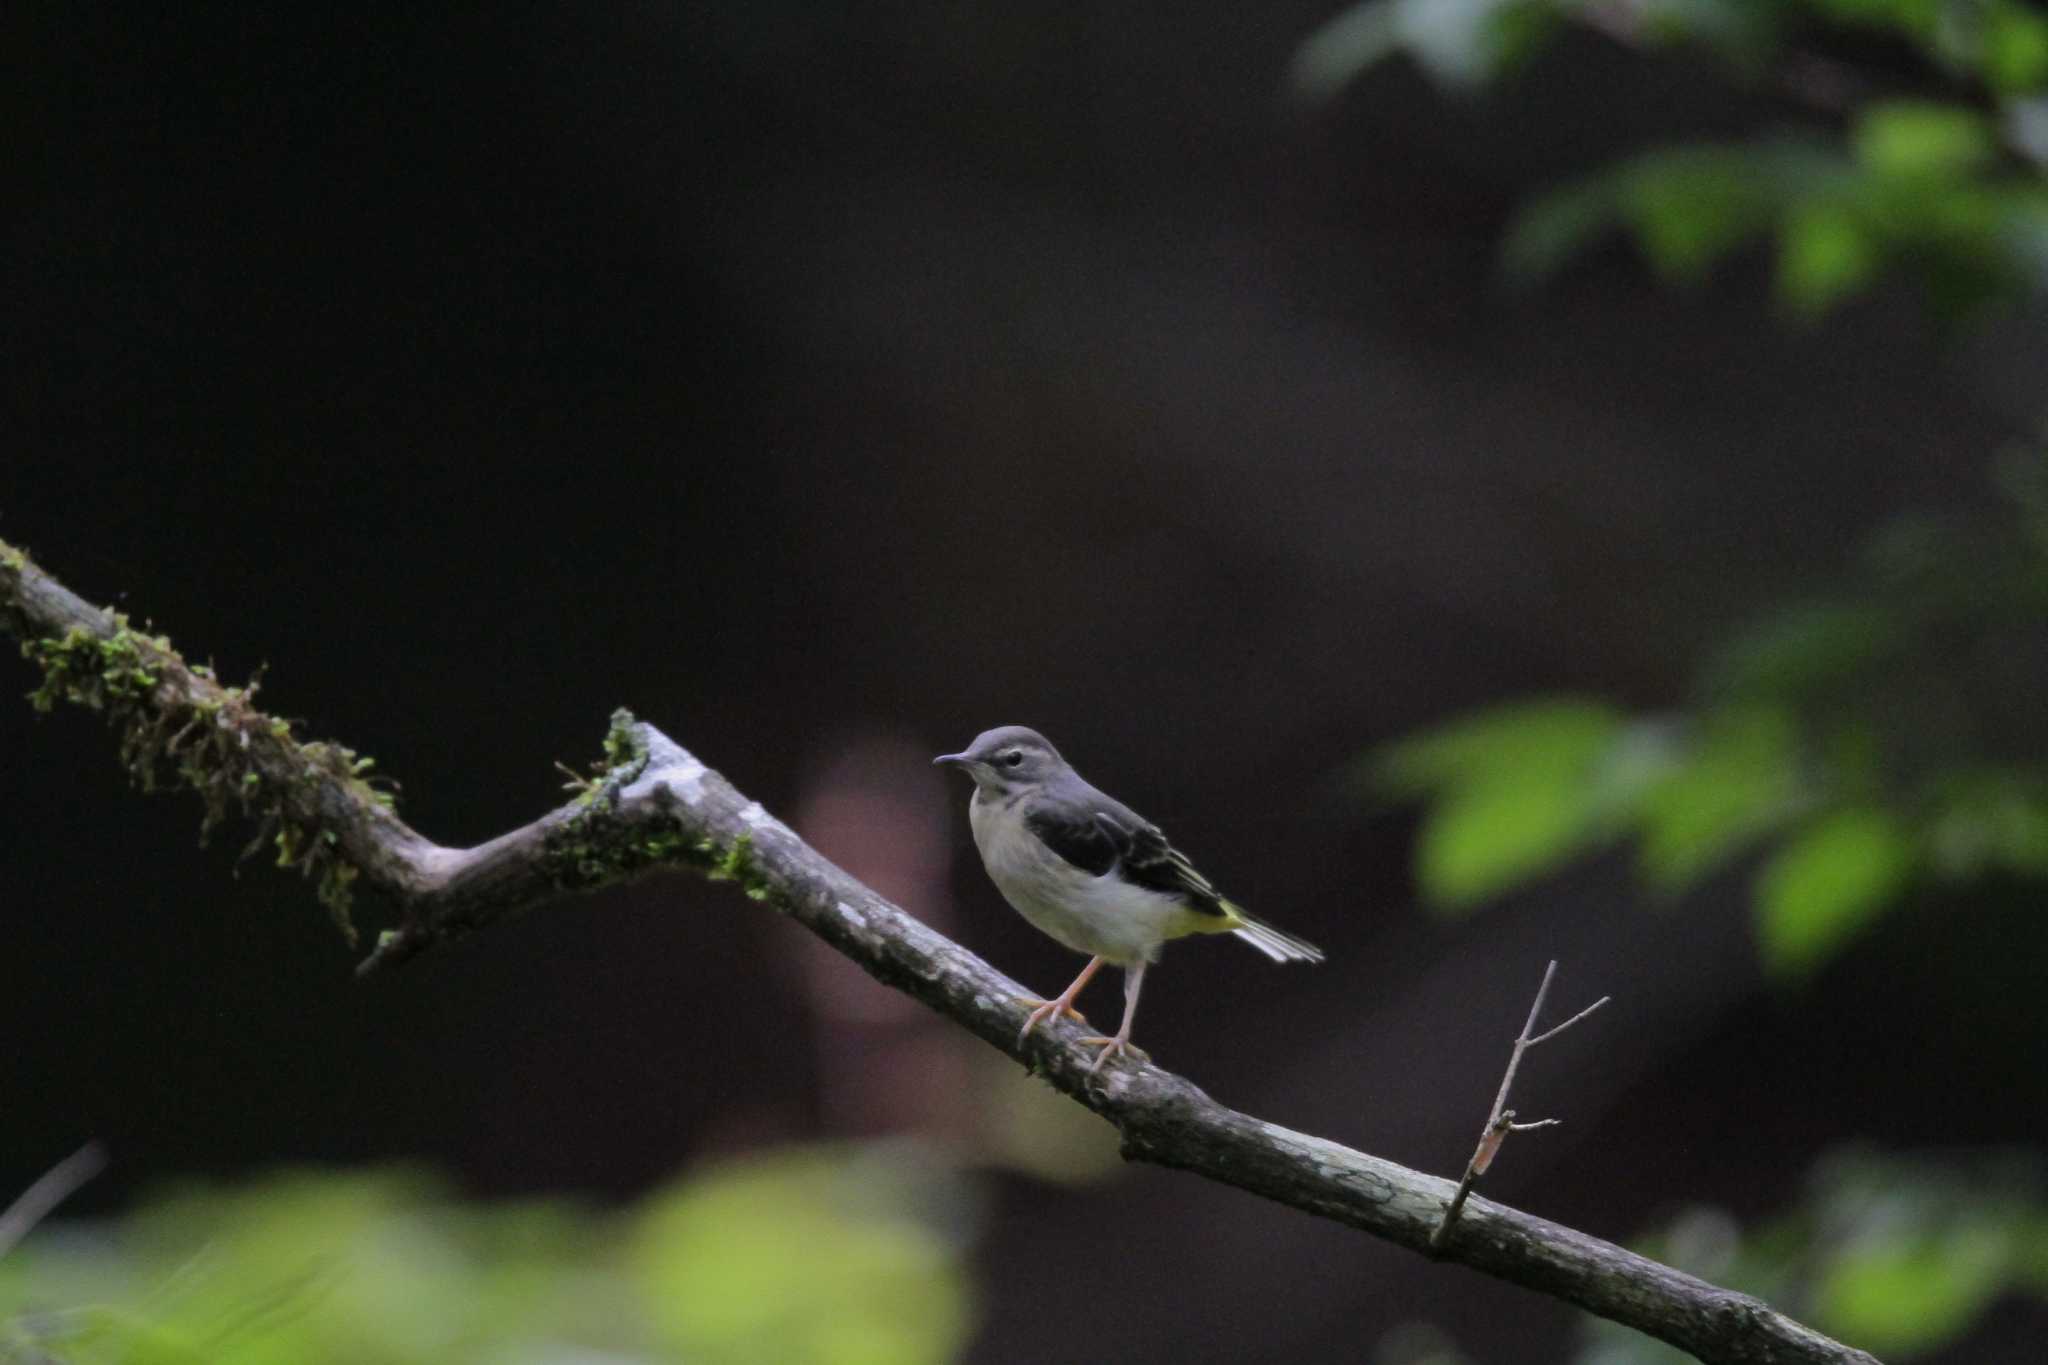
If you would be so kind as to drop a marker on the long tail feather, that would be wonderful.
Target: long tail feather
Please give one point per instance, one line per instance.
(1277, 944)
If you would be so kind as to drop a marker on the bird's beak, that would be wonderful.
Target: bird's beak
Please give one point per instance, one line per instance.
(951, 761)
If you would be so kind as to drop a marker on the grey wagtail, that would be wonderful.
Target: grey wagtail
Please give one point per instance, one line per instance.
(1088, 870)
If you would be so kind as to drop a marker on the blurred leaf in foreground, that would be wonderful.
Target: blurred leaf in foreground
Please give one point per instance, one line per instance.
(1898, 1255)
(804, 1256)
(839, 1255)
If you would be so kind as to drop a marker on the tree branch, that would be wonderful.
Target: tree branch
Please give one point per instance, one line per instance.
(655, 805)
(50, 1189)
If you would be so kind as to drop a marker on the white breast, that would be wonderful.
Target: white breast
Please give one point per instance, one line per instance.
(1102, 916)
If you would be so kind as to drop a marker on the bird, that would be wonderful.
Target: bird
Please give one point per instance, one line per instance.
(1092, 873)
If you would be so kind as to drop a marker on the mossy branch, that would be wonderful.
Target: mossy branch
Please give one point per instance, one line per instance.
(179, 725)
(653, 805)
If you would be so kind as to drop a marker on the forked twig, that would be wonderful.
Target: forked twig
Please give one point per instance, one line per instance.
(1501, 1121)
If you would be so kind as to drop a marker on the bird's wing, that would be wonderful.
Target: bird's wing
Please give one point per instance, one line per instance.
(1096, 838)
(1151, 861)
(1072, 832)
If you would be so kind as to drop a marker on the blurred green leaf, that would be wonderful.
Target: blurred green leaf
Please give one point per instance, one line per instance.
(305, 1266)
(1904, 1296)
(801, 1257)
(2015, 49)
(1897, 1255)
(1988, 820)
(1914, 1251)
(1949, 194)
(1691, 206)
(1917, 17)
(1550, 229)
(847, 1254)
(1824, 254)
(1520, 789)
(1920, 196)
(1857, 724)
(1738, 782)
(1742, 33)
(1826, 883)
(1518, 31)
(1922, 139)
(1803, 655)
(1549, 734)
(2030, 1261)
(1482, 842)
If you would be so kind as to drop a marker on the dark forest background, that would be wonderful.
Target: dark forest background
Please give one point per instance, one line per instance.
(828, 384)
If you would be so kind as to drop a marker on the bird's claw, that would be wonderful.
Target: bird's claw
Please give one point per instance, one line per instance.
(1112, 1047)
(1043, 1010)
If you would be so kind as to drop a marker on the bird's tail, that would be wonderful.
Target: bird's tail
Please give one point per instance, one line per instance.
(1277, 944)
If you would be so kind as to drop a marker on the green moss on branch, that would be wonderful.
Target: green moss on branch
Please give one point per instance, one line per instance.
(177, 726)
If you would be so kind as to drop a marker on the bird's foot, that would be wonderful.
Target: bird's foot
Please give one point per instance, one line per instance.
(1113, 1046)
(1043, 1010)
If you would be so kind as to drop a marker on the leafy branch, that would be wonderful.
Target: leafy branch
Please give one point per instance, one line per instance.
(1866, 742)
(1917, 140)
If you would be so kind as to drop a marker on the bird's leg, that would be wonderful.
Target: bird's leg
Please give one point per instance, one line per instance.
(1134, 977)
(1052, 1009)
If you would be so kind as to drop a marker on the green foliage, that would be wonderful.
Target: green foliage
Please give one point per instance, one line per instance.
(1691, 206)
(1805, 653)
(1733, 783)
(1869, 738)
(1988, 820)
(1824, 254)
(1518, 791)
(2002, 44)
(1898, 1256)
(839, 1255)
(1826, 882)
(1514, 792)
(1948, 192)
(2014, 57)
(1460, 42)
(1916, 191)
(1921, 139)
(801, 1257)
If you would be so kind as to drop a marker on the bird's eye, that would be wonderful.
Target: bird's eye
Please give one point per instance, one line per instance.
(1013, 758)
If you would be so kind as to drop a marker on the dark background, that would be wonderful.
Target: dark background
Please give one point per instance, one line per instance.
(828, 385)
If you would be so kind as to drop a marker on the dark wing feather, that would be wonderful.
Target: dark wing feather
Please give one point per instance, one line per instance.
(1150, 861)
(1099, 839)
(1088, 845)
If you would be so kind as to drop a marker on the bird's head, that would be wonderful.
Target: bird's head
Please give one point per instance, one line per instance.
(1006, 759)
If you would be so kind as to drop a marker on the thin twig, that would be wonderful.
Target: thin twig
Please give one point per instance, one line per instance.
(1501, 1121)
(1548, 1034)
(51, 1188)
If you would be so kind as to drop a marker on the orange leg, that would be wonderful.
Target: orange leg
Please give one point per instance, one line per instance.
(1052, 1009)
(1134, 977)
